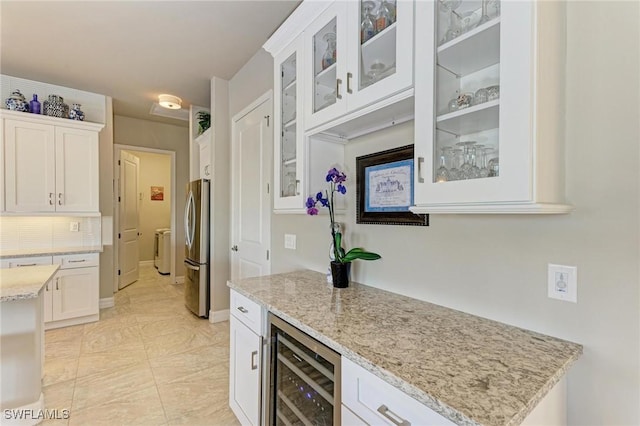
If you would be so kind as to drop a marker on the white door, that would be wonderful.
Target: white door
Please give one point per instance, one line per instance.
(244, 371)
(252, 142)
(128, 232)
(75, 293)
(76, 170)
(30, 167)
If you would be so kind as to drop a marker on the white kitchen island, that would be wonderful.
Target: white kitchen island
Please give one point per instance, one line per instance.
(21, 342)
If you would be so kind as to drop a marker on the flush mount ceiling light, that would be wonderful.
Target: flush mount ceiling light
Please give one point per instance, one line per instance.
(170, 101)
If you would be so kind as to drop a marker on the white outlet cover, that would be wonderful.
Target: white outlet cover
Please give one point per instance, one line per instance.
(74, 226)
(562, 282)
(290, 241)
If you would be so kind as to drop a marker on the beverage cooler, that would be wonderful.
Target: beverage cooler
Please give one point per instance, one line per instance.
(304, 379)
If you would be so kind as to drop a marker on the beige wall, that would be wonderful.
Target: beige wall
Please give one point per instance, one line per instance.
(495, 265)
(150, 134)
(155, 170)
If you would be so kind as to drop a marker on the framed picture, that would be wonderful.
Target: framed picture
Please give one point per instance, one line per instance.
(384, 186)
(157, 193)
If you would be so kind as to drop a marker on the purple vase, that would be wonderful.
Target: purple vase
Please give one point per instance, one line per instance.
(34, 105)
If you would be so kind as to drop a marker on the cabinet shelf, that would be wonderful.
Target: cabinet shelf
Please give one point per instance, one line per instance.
(472, 51)
(289, 161)
(470, 120)
(380, 48)
(289, 126)
(327, 77)
(203, 137)
(290, 89)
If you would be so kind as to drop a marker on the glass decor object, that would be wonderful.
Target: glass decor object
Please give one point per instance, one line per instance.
(329, 57)
(385, 16)
(34, 105)
(367, 27)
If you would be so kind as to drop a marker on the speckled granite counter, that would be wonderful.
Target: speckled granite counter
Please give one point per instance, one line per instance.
(471, 370)
(25, 282)
(10, 254)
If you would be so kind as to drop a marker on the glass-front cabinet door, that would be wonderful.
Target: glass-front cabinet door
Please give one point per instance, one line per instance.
(289, 149)
(325, 65)
(479, 127)
(380, 49)
(358, 52)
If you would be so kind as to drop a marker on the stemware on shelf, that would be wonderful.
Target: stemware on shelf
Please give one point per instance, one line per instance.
(386, 15)
(329, 56)
(453, 30)
(367, 27)
(494, 167)
(485, 17)
(466, 167)
(442, 173)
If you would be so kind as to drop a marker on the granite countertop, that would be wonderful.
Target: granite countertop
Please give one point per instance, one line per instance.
(25, 282)
(471, 370)
(10, 254)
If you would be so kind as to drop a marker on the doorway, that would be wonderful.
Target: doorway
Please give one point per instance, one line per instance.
(144, 203)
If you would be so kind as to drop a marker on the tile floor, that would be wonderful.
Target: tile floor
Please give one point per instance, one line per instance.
(148, 361)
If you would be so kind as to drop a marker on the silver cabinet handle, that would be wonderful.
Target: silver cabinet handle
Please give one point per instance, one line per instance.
(338, 83)
(190, 266)
(51, 194)
(47, 287)
(77, 261)
(57, 283)
(254, 356)
(420, 168)
(243, 309)
(392, 417)
(297, 187)
(19, 265)
(206, 170)
(349, 76)
(59, 198)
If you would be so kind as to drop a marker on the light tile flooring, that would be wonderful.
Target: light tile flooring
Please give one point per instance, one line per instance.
(148, 361)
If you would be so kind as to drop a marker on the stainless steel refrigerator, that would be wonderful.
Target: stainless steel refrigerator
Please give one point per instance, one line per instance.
(196, 255)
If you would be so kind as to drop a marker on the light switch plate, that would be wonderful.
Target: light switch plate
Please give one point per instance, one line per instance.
(562, 282)
(290, 241)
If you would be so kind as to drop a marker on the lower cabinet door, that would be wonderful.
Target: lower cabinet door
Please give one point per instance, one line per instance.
(75, 293)
(48, 300)
(245, 372)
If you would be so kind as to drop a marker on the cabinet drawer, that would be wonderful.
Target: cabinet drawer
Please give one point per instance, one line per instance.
(379, 403)
(26, 261)
(69, 261)
(247, 311)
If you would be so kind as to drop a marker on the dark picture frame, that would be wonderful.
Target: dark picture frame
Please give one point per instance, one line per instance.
(384, 188)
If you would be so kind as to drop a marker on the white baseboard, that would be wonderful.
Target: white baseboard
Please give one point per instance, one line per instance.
(145, 262)
(219, 316)
(180, 279)
(107, 302)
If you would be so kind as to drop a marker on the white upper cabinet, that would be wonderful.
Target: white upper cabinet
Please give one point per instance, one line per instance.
(50, 166)
(204, 158)
(356, 53)
(288, 140)
(489, 107)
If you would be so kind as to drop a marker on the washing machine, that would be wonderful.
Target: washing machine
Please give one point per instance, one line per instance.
(157, 246)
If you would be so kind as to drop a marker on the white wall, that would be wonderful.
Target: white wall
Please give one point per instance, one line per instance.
(150, 134)
(495, 266)
(155, 170)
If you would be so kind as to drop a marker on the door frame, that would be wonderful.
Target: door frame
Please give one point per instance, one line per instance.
(116, 211)
(265, 97)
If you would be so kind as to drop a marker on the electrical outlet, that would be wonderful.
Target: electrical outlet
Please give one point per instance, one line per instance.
(74, 226)
(290, 241)
(562, 282)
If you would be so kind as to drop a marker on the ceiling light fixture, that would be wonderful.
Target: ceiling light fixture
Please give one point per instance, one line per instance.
(170, 101)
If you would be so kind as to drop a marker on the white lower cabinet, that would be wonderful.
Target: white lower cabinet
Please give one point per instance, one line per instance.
(374, 401)
(72, 296)
(245, 360)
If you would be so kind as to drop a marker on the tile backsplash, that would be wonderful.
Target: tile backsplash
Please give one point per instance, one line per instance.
(48, 232)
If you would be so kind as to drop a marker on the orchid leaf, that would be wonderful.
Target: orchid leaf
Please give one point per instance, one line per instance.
(358, 253)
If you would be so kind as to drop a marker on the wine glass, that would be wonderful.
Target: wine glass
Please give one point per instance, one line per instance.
(456, 162)
(367, 27)
(465, 169)
(453, 30)
(442, 173)
(494, 167)
(485, 17)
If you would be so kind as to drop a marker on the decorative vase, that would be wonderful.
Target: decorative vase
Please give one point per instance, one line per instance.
(75, 113)
(340, 274)
(17, 102)
(34, 105)
(54, 106)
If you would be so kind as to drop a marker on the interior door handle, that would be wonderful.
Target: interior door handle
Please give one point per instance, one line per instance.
(254, 363)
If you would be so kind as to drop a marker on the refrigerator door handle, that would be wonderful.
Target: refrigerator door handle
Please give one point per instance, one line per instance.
(189, 220)
(190, 266)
